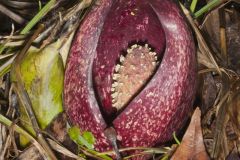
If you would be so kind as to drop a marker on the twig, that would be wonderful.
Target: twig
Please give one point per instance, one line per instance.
(4, 68)
(146, 149)
(5, 56)
(19, 130)
(3, 137)
(53, 144)
(223, 41)
(12, 15)
(19, 4)
(135, 155)
(6, 145)
(2, 46)
(71, 15)
(13, 37)
(10, 140)
(57, 147)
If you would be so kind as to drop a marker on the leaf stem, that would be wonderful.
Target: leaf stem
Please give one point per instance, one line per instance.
(38, 16)
(176, 139)
(207, 7)
(193, 6)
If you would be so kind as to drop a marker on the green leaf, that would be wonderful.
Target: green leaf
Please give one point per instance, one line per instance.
(84, 142)
(193, 6)
(73, 132)
(42, 74)
(89, 137)
(85, 139)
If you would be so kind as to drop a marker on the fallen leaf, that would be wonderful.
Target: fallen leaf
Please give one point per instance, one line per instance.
(192, 145)
(30, 153)
(209, 92)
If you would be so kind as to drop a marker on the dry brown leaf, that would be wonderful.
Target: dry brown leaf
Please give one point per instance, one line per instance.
(209, 92)
(31, 153)
(192, 146)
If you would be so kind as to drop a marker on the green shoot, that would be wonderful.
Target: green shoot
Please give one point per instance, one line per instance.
(193, 5)
(39, 5)
(207, 8)
(38, 16)
(176, 139)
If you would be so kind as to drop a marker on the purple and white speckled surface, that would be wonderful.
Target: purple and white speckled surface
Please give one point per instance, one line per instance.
(163, 105)
(79, 96)
(127, 22)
